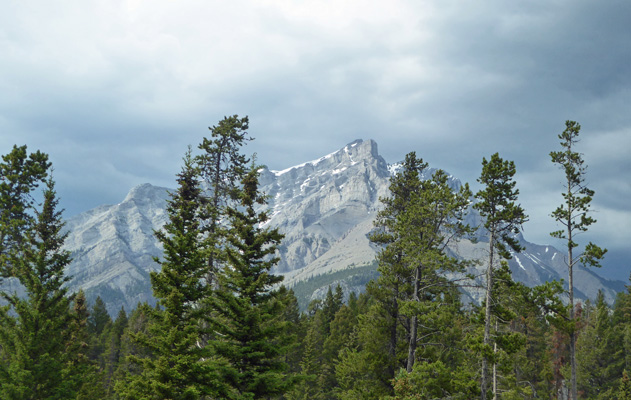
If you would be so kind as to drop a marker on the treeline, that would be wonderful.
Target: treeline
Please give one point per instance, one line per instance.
(223, 328)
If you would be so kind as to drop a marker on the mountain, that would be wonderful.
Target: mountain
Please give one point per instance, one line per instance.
(324, 207)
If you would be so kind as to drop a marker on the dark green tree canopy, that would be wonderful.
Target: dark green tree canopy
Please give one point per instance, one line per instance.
(497, 203)
(20, 174)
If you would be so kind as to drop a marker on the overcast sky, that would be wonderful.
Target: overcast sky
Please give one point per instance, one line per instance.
(115, 90)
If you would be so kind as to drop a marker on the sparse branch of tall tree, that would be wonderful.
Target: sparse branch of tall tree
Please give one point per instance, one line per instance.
(574, 216)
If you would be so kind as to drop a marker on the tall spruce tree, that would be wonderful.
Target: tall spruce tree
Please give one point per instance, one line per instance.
(34, 328)
(250, 333)
(573, 216)
(180, 368)
(20, 174)
(503, 219)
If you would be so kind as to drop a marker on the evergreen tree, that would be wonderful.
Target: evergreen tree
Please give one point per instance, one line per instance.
(132, 352)
(313, 365)
(222, 167)
(363, 369)
(249, 334)
(624, 391)
(393, 284)
(417, 224)
(34, 340)
(81, 374)
(99, 318)
(180, 368)
(295, 328)
(503, 219)
(20, 174)
(112, 340)
(432, 221)
(573, 215)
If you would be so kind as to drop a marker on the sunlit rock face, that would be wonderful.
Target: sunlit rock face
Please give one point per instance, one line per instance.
(325, 208)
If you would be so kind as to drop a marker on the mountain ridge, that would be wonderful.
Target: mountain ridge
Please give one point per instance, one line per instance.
(325, 209)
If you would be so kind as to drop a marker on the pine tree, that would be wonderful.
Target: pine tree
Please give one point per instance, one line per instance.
(34, 341)
(249, 334)
(180, 368)
(573, 215)
(417, 224)
(432, 221)
(503, 219)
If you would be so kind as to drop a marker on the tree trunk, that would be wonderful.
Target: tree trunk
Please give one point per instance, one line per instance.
(495, 367)
(414, 323)
(570, 265)
(393, 333)
(487, 317)
(574, 389)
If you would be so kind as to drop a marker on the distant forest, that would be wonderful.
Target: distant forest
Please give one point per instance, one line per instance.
(224, 327)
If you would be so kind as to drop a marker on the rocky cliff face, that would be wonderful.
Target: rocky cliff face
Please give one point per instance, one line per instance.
(319, 203)
(113, 248)
(324, 207)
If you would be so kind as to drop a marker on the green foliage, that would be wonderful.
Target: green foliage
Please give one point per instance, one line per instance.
(179, 368)
(34, 335)
(221, 166)
(503, 217)
(250, 332)
(352, 276)
(99, 318)
(624, 391)
(435, 380)
(418, 222)
(131, 352)
(20, 174)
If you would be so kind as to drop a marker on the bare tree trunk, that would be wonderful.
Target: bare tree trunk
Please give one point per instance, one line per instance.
(487, 318)
(393, 333)
(414, 322)
(495, 368)
(573, 387)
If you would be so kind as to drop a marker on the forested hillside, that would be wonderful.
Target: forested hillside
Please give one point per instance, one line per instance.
(225, 327)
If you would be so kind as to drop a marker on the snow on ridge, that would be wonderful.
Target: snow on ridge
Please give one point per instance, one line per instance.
(319, 160)
(313, 162)
(519, 262)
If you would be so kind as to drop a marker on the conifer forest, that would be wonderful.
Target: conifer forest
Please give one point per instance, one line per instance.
(225, 327)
